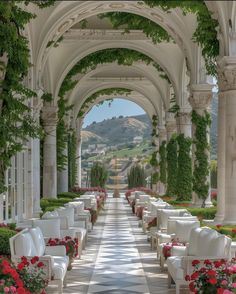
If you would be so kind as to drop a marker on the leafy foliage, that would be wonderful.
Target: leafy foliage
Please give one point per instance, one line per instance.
(184, 176)
(93, 97)
(172, 166)
(136, 176)
(72, 159)
(5, 235)
(201, 162)
(16, 121)
(137, 22)
(205, 34)
(163, 162)
(122, 56)
(98, 175)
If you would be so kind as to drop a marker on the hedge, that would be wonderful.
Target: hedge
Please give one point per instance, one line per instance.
(5, 235)
(70, 195)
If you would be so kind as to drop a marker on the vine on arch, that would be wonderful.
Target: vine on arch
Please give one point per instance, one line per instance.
(93, 97)
(16, 121)
(163, 163)
(205, 34)
(122, 56)
(201, 163)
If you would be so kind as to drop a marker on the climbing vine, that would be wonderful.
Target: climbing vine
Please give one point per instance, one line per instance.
(122, 56)
(201, 162)
(62, 134)
(184, 176)
(172, 165)
(16, 121)
(205, 34)
(72, 159)
(93, 97)
(163, 162)
(154, 126)
(137, 22)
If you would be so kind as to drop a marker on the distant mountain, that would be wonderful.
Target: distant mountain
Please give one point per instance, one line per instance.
(118, 130)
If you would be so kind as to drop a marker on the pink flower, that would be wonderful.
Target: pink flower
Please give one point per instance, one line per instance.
(227, 292)
(234, 285)
(13, 289)
(224, 282)
(6, 289)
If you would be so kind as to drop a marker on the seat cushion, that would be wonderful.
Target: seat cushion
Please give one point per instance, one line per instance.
(216, 246)
(193, 238)
(50, 227)
(59, 268)
(204, 240)
(174, 267)
(24, 245)
(69, 213)
(38, 240)
(171, 225)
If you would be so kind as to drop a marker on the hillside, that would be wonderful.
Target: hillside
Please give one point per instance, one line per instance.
(116, 131)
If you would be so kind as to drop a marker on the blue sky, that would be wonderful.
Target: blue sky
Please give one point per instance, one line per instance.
(118, 107)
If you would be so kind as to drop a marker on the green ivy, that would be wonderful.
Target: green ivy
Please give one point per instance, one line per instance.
(184, 176)
(205, 34)
(93, 97)
(137, 22)
(122, 56)
(155, 178)
(163, 162)
(153, 161)
(201, 162)
(72, 159)
(172, 166)
(16, 121)
(154, 126)
(62, 134)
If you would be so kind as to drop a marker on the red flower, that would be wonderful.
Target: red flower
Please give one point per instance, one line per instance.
(211, 273)
(192, 287)
(195, 262)
(21, 290)
(21, 265)
(207, 262)
(19, 283)
(187, 278)
(194, 275)
(212, 281)
(220, 291)
(234, 231)
(40, 264)
(34, 259)
(217, 263)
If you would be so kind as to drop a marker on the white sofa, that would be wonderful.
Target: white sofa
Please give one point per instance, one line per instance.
(204, 243)
(29, 243)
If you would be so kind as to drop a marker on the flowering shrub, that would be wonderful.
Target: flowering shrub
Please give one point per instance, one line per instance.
(167, 247)
(70, 243)
(28, 277)
(213, 277)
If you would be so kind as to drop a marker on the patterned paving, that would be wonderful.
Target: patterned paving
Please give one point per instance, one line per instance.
(118, 258)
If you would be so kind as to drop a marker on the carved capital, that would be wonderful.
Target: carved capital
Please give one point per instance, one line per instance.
(184, 118)
(227, 73)
(49, 115)
(201, 96)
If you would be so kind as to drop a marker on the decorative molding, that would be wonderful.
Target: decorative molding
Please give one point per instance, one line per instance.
(227, 73)
(201, 95)
(96, 34)
(49, 115)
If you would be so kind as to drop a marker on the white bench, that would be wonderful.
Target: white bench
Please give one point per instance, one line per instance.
(29, 243)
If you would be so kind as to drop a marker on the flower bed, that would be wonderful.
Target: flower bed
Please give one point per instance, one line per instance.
(94, 215)
(218, 277)
(28, 277)
(168, 246)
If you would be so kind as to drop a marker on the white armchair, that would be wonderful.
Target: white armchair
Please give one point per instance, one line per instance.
(183, 229)
(29, 243)
(204, 243)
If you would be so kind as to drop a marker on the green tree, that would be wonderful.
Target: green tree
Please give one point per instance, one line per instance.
(136, 176)
(98, 175)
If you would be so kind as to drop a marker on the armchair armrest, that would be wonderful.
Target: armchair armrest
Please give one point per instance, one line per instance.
(58, 250)
(179, 251)
(69, 232)
(165, 238)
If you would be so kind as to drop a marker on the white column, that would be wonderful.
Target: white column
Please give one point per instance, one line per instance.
(171, 127)
(162, 138)
(184, 123)
(200, 101)
(62, 176)
(49, 117)
(227, 145)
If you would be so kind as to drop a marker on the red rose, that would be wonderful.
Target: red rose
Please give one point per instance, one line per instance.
(194, 276)
(20, 266)
(19, 283)
(195, 262)
(40, 264)
(34, 259)
(21, 290)
(220, 291)
(212, 281)
(217, 263)
(187, 278)
(192, 287)
(211, 273)
(207, 262)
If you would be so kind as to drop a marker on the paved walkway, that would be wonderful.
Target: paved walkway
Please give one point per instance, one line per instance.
(117, 259)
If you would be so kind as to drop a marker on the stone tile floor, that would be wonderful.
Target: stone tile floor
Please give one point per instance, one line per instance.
(118, 259)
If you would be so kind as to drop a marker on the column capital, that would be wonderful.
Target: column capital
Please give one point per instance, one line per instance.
(201, 95)
(49, 115)
(184, 117)
(227, 73)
